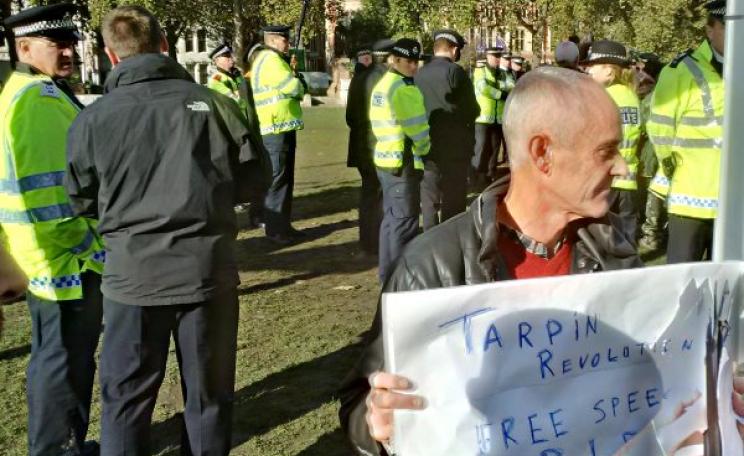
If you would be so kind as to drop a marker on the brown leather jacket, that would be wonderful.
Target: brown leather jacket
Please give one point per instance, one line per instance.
(463, 251)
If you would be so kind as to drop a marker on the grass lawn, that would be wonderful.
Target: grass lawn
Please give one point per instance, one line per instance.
(302, 311)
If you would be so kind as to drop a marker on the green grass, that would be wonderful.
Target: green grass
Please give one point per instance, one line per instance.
(302, 310)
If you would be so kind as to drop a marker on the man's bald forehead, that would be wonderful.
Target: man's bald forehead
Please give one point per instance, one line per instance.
(553, 100)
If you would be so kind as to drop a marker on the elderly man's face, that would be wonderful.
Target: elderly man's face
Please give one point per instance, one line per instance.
(584, 167)
(365, 59)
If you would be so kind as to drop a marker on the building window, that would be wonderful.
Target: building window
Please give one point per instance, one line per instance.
(189, 41)
(201, 37)
(517, 43)
(203, 76)
(191, 68)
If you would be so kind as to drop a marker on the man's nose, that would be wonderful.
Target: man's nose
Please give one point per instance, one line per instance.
(620, 167)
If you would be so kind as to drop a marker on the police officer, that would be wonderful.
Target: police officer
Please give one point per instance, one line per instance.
(506, 81)
(398, 118)
(488, 132)
(517, 66)
(451, 108)
(61, 254)
(277, 91)
(362, 145)
(363, 59)
(227, 78)
(686, 129)
(608, 64)
(654, 219)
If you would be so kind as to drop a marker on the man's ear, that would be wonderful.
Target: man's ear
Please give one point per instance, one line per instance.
(538, 149)
(22, 46)
(113, 58)
(164, 46)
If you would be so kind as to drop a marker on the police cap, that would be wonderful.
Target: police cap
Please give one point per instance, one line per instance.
(407, 48)
(450, 35)
(518, 59)
(383, 46)
(716, 8)
(606, 51)
(364, 50)
(52, 21)
(281, 30)
(222, 49)
(498, 51)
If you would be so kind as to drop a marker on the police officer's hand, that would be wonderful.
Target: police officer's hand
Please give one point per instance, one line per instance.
(12, 280)
(383, 399)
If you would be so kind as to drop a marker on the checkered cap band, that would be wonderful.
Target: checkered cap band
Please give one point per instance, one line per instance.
(447, 36)
(600, 55)
(45, 26)
(718, 11)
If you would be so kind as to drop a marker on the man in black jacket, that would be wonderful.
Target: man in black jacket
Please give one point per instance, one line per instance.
(155, 159)
(549, 218)
(362, 145)
(452, 109)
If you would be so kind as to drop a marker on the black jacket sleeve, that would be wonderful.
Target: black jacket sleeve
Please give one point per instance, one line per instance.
(462, 87)
(251, 163)
(81, 177)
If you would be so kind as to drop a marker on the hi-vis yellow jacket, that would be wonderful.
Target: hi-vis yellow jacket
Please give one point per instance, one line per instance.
(399, 122)
(686, 129)
(277, 93)
(630, 115)
(50, 244)
(228, 84)
(486, 93)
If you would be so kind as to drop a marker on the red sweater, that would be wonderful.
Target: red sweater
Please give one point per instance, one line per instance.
(523, 264)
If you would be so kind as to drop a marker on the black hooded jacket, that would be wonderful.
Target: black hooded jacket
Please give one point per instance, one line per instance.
(156, 160)
(464, 251)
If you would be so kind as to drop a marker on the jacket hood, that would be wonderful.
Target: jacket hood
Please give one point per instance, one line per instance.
(145, 67)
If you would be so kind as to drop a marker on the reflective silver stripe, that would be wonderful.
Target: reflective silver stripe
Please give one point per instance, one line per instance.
(628, 143)
(697, 143)
(423, 135)
(257, 84)
(662, 120)
(704, 87)
(701, 121)
(38, 214)
(390, 138)
(388, 155)
(414, 121)
(85, 245)
(383, 123)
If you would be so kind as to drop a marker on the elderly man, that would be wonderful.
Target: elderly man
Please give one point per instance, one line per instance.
(61, 254)
(550, 219)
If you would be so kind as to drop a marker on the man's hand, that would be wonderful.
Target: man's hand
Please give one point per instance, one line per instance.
(12, 280)
(382, 401)
(738, 402)
(293, 62)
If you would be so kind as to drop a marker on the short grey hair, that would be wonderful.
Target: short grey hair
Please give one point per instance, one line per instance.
(547, 98)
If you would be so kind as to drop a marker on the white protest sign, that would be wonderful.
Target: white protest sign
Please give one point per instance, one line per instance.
(600, 364)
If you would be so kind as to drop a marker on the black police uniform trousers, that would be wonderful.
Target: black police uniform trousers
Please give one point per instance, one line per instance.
(400, 214)
(443, 190)
(278, 202)
(690, 239)
(133, 360)
(59, 378)
(370, 209)
(624, 204)
(486, 140)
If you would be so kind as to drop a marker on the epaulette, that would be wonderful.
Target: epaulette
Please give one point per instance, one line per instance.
(217, 77)
(681, 56)
(48, 89)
